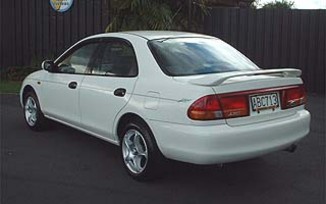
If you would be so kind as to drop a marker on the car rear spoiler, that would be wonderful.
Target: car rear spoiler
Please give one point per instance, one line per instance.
(217, 79)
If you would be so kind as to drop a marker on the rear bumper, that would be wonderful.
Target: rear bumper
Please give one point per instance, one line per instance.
(222, 143)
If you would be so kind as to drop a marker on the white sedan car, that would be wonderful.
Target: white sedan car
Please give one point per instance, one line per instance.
(175, 95)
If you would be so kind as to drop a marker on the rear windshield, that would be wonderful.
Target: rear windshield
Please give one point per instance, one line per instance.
(193, 56)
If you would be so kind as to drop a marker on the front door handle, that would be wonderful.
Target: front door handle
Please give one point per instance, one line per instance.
(72, 85)
(121, 92)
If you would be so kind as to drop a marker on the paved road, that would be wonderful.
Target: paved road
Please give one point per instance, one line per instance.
(63, 165)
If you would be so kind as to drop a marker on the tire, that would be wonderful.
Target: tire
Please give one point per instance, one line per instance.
(140, 155)
(33, 115)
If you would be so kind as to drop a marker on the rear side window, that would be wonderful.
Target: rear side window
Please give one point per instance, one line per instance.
(115, 58)
(193, 56)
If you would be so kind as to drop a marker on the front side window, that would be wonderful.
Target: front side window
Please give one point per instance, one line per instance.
(192, 56)
(77, 62)
(115, 58)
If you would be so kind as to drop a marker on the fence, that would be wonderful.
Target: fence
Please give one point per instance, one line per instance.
(32, 29)
(276, 38)
(271, 38)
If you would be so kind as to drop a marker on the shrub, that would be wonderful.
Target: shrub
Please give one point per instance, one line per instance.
(19, 73)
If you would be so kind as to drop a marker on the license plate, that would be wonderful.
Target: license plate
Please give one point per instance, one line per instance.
(264, 103)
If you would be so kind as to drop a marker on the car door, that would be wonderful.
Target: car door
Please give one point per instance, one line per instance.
(61, 87)
(109, 86)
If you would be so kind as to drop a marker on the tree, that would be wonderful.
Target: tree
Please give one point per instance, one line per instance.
(156, 14)
(255, 4)
(280, 4)
(283, 4)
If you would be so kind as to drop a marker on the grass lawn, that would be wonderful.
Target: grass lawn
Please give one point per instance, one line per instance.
(10, 86)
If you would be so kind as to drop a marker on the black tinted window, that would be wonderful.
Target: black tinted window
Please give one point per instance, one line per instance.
(191, 56)
(116, 58)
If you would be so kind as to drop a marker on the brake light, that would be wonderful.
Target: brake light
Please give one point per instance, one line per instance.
(213, 107)
(292, 97)
(205, 108)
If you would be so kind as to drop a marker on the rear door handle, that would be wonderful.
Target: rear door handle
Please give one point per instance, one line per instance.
(72, 85)
(121, 92)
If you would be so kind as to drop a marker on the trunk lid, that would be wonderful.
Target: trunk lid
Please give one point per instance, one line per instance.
(256, 85)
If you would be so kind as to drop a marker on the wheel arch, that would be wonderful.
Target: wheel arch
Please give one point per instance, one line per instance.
(130, 116)
(26, 89)
(29, 88)
(125, 119)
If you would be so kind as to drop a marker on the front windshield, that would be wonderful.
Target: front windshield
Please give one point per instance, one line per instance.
(193, 56)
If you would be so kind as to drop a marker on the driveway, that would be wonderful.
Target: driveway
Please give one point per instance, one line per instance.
(62, 165)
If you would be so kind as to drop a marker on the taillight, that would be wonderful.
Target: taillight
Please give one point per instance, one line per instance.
(235, 106)
(213, 107)
(292, 97)
(205, 108)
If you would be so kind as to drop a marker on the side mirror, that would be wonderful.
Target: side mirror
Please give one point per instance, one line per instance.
(48, 65)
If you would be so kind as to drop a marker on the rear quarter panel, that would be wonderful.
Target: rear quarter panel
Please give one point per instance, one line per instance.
(159, 97)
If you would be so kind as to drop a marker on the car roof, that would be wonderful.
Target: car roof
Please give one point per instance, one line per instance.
(154, 35)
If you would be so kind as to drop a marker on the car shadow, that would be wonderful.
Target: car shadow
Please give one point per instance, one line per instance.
(172, 170)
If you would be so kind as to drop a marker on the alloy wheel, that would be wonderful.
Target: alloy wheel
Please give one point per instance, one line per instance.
(134, 151)
(30, 111)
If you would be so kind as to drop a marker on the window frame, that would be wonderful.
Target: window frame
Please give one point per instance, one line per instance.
(73, 49)
(101, 41)
(102, 47)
